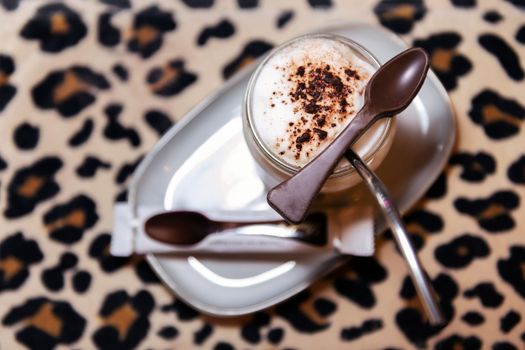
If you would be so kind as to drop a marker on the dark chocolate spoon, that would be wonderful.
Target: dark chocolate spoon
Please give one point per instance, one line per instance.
(389, 91)
(189, 227)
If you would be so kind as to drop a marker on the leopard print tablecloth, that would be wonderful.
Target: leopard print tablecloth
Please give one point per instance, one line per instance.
(86, 89)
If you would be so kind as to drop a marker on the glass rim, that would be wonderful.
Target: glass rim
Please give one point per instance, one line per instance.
(248, 115)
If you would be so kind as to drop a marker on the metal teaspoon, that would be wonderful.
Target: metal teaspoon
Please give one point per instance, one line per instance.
(424, 288)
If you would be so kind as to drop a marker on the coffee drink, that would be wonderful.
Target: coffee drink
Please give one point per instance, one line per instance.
(302, 96)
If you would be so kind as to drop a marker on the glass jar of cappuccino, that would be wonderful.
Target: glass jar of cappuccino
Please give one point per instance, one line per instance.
(301, 96)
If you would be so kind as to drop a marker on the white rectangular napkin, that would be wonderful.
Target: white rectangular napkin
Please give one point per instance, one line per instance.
(351, 231)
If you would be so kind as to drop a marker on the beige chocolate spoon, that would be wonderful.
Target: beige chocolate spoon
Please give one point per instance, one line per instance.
(389, 91)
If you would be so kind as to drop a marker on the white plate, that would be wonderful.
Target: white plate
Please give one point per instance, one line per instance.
(236, 285)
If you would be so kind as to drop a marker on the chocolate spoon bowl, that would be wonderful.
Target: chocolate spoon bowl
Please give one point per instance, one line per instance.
(390, 90)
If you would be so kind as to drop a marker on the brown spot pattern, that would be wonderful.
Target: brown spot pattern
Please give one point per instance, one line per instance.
(10, 266)
(442, 59)
(145, 35)
(66, 223)
(76, 218)
(492, 114)
(122, 319)
(492, 211)
(169, 74)
(4, 79)
(70, 86)
(30, 186)
(46, 320)
(404, 11)
(59, 23)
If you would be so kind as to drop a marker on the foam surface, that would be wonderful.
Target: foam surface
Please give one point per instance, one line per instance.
(280, 117)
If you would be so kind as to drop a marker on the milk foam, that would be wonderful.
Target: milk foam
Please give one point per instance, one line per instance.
(274, 108)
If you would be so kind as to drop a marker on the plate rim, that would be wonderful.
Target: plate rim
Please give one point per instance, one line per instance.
(338, 260)
(335, 263)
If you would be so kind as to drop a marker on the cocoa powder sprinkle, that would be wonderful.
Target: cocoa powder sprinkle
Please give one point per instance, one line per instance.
(321, 133)
(305, 137)
(319, 92)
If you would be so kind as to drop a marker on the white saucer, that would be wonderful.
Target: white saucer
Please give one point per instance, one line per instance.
(236, 285)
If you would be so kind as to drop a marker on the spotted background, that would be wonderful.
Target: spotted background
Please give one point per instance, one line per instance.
(72, 136)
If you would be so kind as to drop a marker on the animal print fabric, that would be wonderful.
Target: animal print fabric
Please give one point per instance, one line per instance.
(88, 87)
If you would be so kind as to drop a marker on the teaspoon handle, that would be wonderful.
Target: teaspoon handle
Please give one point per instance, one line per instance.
(420, 280)
(292, 198)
